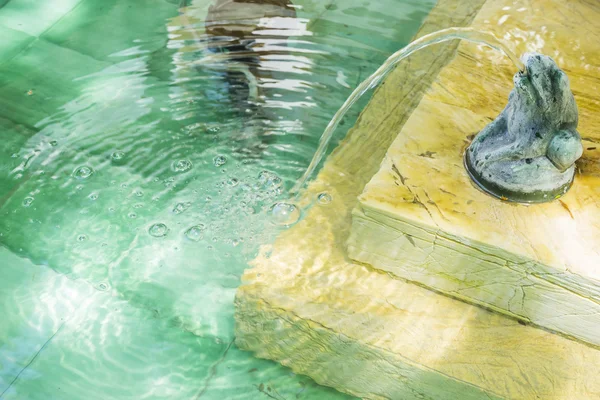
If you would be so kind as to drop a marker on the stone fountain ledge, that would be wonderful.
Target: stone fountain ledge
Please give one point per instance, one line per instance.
(370, 334)
(541, 263)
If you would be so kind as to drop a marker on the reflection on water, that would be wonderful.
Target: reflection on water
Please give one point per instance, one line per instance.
(141, 148)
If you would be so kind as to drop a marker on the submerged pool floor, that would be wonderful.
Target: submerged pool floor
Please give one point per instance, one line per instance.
(134, 188)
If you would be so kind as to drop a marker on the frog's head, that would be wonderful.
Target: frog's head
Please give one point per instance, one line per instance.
(545, 87)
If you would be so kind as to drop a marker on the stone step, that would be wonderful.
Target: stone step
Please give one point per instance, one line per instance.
(362, 330)
(421, 218)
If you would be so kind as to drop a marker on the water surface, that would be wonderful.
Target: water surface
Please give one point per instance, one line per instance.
(135, 181)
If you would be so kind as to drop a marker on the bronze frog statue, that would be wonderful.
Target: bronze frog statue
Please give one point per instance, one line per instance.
(528, 153)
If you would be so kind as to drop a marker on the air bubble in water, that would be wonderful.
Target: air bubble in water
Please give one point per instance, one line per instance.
(284, 214)
(195, 233)
(93, 196)
(103, 287)
(181, 207)
(83, 172)
(182, 165)
(53, 143)
(132, 215)
(158, 230)
(324, 198)
(269, 180)
(212, 129)
(219, 161)
(82, 238)
(117, 156)
(233, 181)
(27, 201)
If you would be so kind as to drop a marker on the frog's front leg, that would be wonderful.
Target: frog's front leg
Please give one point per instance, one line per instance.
(506, 153)
(565, 148)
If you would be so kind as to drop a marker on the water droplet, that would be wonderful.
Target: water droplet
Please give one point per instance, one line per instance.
(269, 180)
(324, 198)
(158, 230)
(83, 172)
(118, 157)
(93, 196)
(138, 193)
(195, 232)
(27, 201)
(219, 161)
(233, 182)
(284, 214)
(103, 287)
(81, 238)
(181, 207)
(132, 215)
(182, 165)
(212, 129)
(53, 143)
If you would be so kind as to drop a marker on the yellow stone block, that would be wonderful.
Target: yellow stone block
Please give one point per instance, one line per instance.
(362, 330)
(422, 219)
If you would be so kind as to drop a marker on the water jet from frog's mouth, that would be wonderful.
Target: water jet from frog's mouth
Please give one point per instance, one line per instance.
(443, 35)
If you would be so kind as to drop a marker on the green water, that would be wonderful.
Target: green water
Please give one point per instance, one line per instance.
(134, 189)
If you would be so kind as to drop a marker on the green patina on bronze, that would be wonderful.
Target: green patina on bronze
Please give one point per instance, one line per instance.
(528, 153)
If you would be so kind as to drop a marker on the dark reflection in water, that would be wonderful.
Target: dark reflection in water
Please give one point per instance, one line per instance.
(247, 44)
(246, 39)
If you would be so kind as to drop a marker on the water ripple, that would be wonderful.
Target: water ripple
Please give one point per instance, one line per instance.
(139, 174)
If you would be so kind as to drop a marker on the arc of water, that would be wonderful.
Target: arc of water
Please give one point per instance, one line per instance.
(444, 35)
